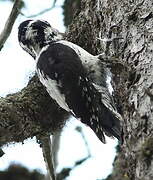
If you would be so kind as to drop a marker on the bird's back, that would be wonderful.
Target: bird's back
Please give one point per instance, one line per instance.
(70, 83)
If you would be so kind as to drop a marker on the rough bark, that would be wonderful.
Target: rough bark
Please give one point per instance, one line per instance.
(130, 55)
(29, 113)
(130, 59)
(70, 9)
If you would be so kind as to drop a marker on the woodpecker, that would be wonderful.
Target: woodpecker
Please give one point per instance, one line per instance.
(74, 78)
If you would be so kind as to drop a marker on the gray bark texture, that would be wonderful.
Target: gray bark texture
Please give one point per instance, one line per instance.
(129, 25)
(29, 113)
(127, 28)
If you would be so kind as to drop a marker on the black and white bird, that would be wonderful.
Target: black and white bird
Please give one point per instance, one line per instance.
(74, 78)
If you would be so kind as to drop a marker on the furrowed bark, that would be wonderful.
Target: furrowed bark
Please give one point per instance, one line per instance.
(128, 24)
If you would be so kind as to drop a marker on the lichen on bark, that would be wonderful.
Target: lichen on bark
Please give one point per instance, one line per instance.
(132, 22)
(29, 113)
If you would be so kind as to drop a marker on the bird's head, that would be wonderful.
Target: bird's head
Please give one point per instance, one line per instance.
(33, 35)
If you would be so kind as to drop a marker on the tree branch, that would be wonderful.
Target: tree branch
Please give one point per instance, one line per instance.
(41, 12)
(46, 145)
(32, 112)
(29, 113)
(10, 22)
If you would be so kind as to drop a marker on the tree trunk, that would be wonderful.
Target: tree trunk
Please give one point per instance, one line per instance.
(128, 29)
(126, 32)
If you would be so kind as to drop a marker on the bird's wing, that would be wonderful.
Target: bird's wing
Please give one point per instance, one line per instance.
(60, 70)
(62, 67)
(112, 121)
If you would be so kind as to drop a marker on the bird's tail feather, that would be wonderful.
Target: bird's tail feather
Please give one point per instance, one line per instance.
(109, 119)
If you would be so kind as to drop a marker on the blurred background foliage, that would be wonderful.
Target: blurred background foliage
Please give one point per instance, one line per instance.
(19, 172)
(70, 8)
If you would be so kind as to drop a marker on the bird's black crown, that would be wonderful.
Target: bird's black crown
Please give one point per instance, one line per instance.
(33, 35)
